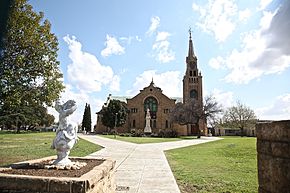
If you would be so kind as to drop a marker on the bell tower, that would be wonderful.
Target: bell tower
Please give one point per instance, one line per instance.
(192, 80)
(192, 89)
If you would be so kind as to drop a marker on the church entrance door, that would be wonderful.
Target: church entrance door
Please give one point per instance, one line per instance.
(194, 129)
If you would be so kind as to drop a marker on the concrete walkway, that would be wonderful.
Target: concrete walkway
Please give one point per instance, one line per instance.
(142, 168)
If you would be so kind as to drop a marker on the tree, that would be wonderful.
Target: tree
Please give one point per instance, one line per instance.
(87, 120)
(29, 70)
(239, 116)
(84, 118)
(114, 114)
(192, 112)
(29, 118)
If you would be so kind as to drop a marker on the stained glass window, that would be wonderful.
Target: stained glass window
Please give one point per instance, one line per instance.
(151, 104)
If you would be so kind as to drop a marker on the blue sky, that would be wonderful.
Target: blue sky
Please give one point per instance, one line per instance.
(113, 46)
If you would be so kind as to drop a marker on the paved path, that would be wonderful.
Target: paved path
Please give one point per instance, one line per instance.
(142, 167)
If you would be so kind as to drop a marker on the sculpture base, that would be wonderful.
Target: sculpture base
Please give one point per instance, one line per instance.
(62, 162)
(147, 130)
(100, 178)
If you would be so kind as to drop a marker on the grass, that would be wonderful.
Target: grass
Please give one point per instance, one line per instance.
(227, 165)
(26, 146)
(141, 140)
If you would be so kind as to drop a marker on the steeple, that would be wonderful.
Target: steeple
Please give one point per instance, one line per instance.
(190, 49)
(152, 83)
(191, 59)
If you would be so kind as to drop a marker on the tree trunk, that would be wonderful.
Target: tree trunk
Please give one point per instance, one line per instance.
(198, 130)
(17, 127)
(242, 131)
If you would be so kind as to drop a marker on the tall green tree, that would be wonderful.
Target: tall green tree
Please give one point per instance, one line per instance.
(84, 118)
(29, 70)
(115, 114)
(87, 120)
(239, 116)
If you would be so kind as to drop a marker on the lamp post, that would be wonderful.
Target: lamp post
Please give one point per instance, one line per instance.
(115, 127)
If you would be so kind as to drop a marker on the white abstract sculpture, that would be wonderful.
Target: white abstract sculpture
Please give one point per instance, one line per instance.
(147, 128)
(66, 134)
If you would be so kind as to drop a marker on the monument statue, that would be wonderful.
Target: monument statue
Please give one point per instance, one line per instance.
(66, 133)
(147, 129)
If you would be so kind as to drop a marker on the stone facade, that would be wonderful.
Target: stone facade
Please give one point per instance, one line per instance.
(100, 179)
(159, 113)
(137, 106)
(160, 105)
(273, 147)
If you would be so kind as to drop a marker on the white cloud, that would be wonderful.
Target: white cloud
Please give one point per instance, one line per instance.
(170, 82)
(161, 48)
(244, 15)
(264, 4)
(265, 21)
(115, 84)
(155, 22)
(278, 110)
(112, 47)
(216, 63)
(264, 51)
(138, 39)
(81, 99)
(223, 98)
(217, 18)
(161, 36)
(129, 39)
(85, 71)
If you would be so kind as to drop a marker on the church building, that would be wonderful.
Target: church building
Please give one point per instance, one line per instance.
(160, 105)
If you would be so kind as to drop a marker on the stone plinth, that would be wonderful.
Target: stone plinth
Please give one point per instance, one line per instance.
(100, 179)
(273, 147)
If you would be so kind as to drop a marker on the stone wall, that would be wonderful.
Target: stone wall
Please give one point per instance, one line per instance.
(273, 147)
(101, 179)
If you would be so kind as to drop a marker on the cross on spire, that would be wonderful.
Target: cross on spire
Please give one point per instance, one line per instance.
(190, 49)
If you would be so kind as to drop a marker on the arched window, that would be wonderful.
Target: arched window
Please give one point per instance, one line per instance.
(151, 104)
(193, 94)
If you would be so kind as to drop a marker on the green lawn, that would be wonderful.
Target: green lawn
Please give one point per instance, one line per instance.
(140, 140)
(228, 165)
(26, 146)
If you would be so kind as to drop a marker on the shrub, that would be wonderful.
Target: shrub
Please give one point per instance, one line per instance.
(154, 135)
(137, 133)
(168, 133)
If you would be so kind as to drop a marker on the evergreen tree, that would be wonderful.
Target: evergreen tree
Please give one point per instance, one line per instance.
(87, 121)
(114, 115)
(84, 118)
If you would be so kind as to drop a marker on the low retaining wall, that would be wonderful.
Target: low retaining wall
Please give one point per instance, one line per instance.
(273, 147)
(100, 179)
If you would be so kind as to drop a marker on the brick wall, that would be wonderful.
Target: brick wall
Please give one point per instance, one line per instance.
(273, 147)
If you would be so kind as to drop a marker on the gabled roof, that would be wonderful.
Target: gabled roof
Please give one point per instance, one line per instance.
(124, 98)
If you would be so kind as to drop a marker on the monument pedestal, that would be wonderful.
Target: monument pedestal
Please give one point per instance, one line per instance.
(147, 131)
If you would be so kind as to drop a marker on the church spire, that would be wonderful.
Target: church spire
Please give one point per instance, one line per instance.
(152, 83)
(190, 49)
